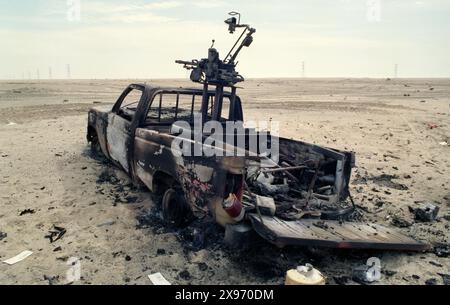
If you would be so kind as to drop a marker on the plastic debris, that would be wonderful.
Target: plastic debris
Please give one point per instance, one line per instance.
(158, 279)
(19, 257)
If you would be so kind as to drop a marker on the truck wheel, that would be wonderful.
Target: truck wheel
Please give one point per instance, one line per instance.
(174, 207)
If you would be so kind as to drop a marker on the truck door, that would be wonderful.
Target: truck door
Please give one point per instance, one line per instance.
(119, 122)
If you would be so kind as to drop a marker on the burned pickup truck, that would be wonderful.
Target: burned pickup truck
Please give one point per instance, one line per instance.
(167, 139)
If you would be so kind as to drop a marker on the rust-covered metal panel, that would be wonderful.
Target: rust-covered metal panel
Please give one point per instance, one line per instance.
(333, 234)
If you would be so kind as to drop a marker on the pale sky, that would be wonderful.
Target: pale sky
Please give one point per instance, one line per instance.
(143, 38)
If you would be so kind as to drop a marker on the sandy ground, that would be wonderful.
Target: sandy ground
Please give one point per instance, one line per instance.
(394, 126)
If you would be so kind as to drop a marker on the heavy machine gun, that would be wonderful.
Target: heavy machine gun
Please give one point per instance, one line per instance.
(220, 73)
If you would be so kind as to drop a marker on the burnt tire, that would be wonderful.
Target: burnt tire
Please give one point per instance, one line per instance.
(175, 209)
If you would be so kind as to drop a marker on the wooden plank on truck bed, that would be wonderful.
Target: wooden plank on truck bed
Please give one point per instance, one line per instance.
(334, 234)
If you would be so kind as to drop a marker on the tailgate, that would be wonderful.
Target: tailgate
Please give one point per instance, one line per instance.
(334, 234)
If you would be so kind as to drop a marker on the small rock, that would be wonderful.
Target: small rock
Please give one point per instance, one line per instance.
(3, 235)
(160, 252)
(128, 258)
(431, 281)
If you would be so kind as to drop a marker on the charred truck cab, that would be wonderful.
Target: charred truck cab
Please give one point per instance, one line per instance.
(302, 198)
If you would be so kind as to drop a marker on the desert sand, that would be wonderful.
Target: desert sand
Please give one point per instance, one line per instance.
(396, 127)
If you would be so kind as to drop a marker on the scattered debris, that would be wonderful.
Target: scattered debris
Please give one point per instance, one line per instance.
(386, 180)
(426, 213)
(26, 211)
(55, 233)
(158, 279)
(442, 250)
(400, 222)
(19, 257)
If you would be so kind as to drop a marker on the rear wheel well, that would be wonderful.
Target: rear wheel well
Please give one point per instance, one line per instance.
(162, 181)
(91, 134)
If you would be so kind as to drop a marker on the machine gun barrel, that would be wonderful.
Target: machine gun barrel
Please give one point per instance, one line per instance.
(187, 64)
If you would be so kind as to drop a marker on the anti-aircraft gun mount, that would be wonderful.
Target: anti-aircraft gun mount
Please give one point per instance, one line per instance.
(217, 72)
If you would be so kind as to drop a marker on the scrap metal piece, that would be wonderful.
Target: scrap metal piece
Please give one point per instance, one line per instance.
(55, 233)
(425, 213)
(333, 234)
